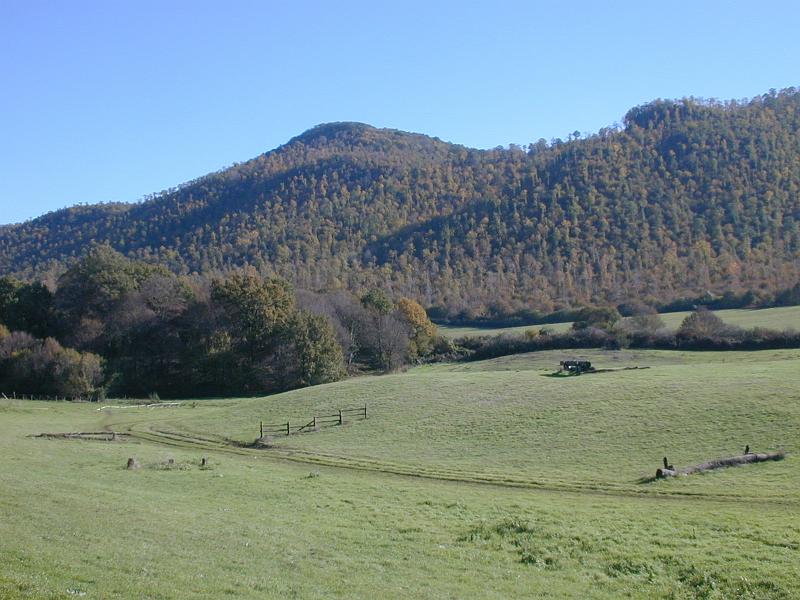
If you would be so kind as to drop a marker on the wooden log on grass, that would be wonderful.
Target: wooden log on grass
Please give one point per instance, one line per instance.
(731, 461)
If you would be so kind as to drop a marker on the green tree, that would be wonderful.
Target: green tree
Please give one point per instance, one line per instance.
(377, 301)
(34, 310)
(8, 298)
(257, 309)
(90, 289)
(317, 357)
(26, 307)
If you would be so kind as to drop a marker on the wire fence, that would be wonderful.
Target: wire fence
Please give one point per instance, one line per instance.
(47, 397)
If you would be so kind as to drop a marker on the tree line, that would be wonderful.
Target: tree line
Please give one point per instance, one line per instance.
(603, 327)
(117, 326)
(495, 316)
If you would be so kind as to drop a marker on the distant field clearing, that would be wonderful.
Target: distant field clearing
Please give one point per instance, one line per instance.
(784, 317)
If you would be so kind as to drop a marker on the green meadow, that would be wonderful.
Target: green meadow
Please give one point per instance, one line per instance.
(784, 317)
(490, 479)
(460, 332)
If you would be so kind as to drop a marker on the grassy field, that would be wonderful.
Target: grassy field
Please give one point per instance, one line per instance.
(460, 332)
(486, 479)
(785, 317)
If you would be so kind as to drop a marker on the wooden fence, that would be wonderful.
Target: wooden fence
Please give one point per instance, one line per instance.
(316, 422)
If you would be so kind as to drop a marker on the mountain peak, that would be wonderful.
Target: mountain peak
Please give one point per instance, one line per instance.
(336, 129)
(349, 134)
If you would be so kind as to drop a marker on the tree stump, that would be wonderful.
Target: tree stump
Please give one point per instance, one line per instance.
(132, 464)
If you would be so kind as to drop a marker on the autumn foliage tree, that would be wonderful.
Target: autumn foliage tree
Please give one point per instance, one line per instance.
(423, 331)
(30, 365)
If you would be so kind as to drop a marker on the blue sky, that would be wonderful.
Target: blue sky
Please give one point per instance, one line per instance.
(113, 100)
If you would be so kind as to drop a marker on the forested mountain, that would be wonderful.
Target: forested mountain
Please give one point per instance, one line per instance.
(686, 196)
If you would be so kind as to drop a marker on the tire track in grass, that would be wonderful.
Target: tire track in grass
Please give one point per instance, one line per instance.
(155, 433)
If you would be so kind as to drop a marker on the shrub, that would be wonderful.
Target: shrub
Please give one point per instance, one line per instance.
(45, 367)
(600, 317)
(702, 323)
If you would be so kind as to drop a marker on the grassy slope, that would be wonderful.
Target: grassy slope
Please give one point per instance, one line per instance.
(773, 318)
(256, 524)
(504, 420)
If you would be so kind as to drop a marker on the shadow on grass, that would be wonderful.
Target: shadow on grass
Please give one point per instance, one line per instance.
(560, 374)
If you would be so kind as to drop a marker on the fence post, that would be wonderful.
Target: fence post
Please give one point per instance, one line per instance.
(365, 410)
(315, 422)
(261, 428)
(340, 416)
(287, 427)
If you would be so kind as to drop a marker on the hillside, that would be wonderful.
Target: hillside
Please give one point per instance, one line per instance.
(688, 196)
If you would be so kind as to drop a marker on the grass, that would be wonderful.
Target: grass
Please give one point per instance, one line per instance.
(502, 421)
(468, 480)
(460, 332)
(785, 317)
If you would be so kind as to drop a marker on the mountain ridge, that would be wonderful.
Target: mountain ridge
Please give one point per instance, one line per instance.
(687, 196)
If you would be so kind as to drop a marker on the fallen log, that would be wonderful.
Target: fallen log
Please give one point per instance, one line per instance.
(732, 461)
